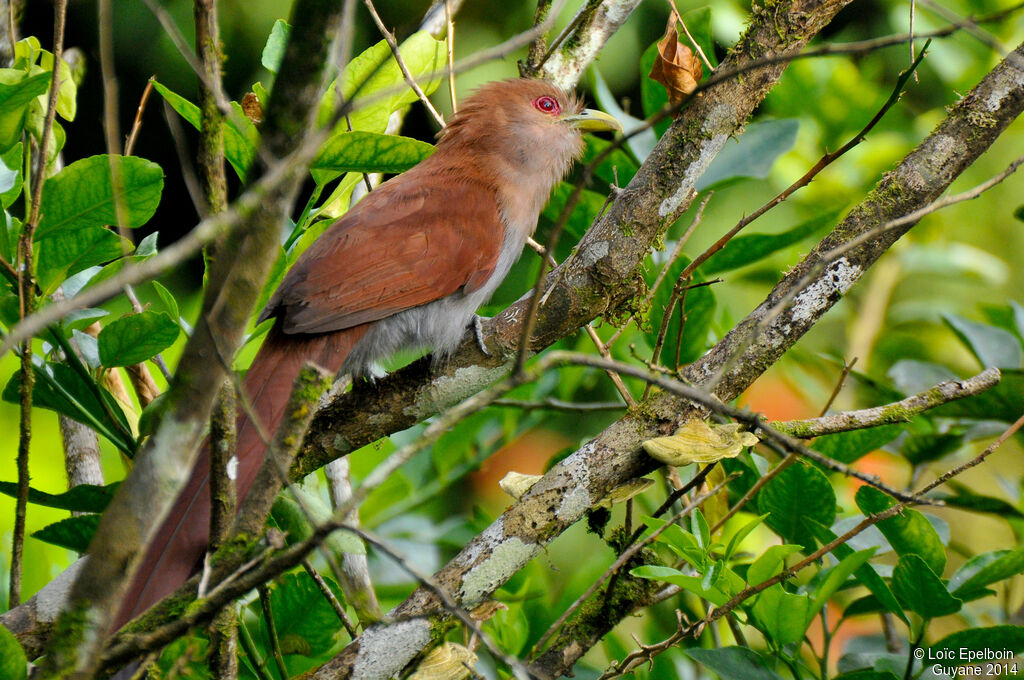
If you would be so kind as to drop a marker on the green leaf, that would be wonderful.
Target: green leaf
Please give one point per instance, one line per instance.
(733, 663)
(700, 307)
(993, 638)
(917, 586)
(13, 663)
(985, 569)
(306, 622)
(273, 51)
(67, 92)
(10, 229)
(240, 135)
(367, 152)
(848, 447)
(866, 574)
(866, 675)
(10, 176)
(510, 628)
(800, 494)
(135, 338)
(617, 167)
(73, 533)
(68, 252)
(698, 22)
(80, 498)
(750, 248)
(835, 577)
(909, 532)
(923, 448)
(653, 96)
(81, 195)
(17, 91)
(991, 345)
(62, 389)
(168, 299)
(731, 582)
(424, 57)
(968, 500)
(744, 531)
(784, 616)
(754, 154)
(640, 140)
(770, 563)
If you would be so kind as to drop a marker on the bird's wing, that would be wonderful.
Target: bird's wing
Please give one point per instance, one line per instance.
(398, 248)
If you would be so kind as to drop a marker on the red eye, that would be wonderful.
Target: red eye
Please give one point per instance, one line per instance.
(547, 104)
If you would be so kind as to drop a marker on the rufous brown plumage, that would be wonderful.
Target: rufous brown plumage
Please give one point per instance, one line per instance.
(405, 268)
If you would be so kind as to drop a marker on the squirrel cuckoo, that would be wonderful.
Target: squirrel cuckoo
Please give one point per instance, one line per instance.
(405, 268)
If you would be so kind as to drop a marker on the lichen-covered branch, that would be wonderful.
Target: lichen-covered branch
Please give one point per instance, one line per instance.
(614, 457)
(898, 412)
(234, 284)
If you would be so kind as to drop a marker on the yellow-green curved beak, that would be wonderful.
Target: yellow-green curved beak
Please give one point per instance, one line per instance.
(592, 120)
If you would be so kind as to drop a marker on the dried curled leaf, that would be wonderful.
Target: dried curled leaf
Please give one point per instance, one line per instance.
(487, 609)
(623, 492)
(698, 442)
(449, 661)
(515, 484)
(252, 109)
(676, 67)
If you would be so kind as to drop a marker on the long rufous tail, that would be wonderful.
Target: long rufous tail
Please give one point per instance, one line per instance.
(177, 550)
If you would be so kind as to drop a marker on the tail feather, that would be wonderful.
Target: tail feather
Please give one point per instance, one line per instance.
(178, 548)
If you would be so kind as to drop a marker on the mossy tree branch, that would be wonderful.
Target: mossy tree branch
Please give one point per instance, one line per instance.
(162, 465)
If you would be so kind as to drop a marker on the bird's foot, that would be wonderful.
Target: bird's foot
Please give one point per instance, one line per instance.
(478, 331)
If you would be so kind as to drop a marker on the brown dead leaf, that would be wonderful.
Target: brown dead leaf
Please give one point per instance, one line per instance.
(252, 109)
(675, 67)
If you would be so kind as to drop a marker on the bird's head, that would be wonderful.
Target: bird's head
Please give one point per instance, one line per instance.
(532, 126)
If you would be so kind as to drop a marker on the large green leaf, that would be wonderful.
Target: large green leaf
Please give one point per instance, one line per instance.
(751, 248)
(909, 532)
(367, 152)
(70, 251)
(306, 623)
(582, 215)
(240, 135)
(993, 638)
(273, 51)
(135, 338)
(17, 91)
(717, 594)
(82, 195)
(80, 498)
(985, 569)
(848, 447)
(382, 93)
(62, 389)
(13, 663)
(733, 663)
(753, 155)
(10, 175)
(784, 616)
(991, 345)
(73, 533)
(866, 573)
(799, 495)
(918, 587)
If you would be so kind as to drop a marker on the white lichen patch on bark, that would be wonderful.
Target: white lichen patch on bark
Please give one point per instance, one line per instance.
(451, 389)
(385, 649)
(941, 151)
(504, 560)
(1014, 80)
(564, 67)
(815, 299)
(717, 126)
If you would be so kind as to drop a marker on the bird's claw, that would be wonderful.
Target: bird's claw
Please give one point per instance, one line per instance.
(478, 332)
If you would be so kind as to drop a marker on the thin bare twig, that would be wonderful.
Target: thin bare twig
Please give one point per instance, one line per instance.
(409, 79)
(450, 40)
(847, 367)
(328, 594)
(26, 297)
